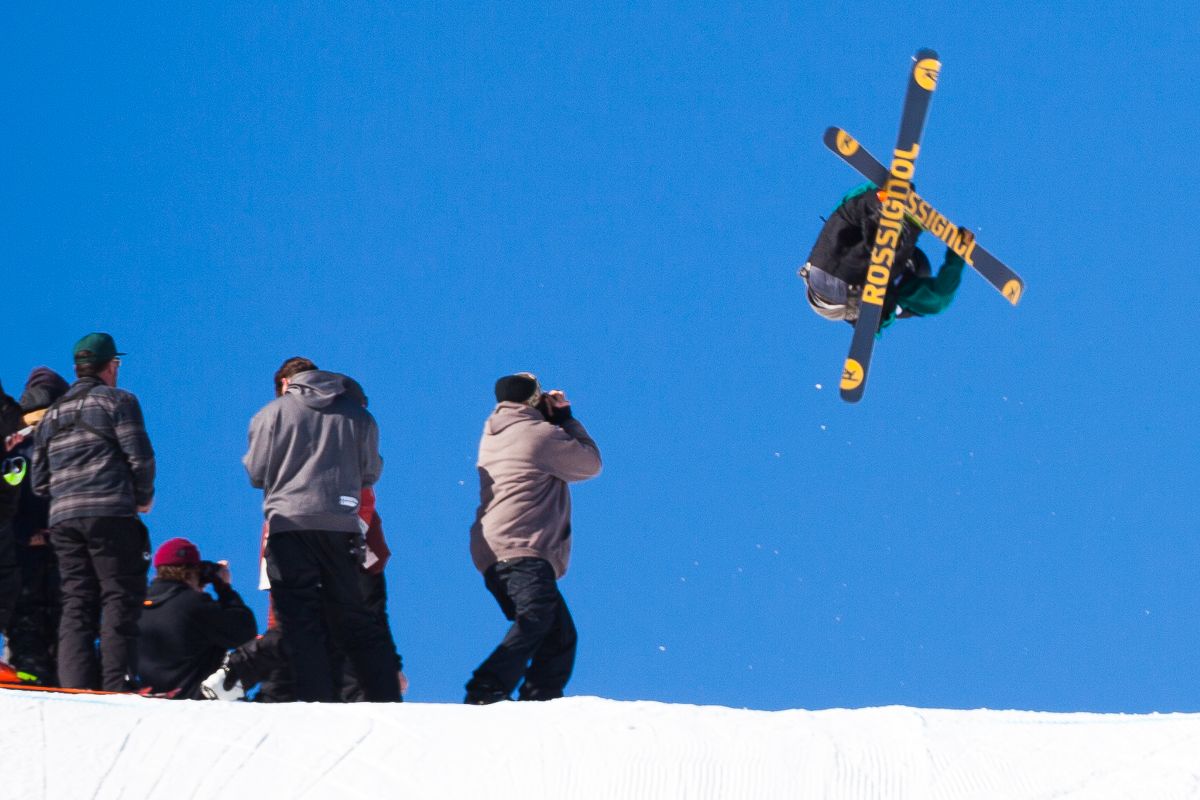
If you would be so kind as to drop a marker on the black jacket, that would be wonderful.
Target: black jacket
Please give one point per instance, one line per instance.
(185, 635)
(843, 249)
(33, 512)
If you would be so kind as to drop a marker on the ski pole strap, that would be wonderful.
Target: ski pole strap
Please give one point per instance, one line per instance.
(76, 421)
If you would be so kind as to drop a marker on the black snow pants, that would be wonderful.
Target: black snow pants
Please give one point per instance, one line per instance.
(314, 578)
(374, 589)
(10, 575)
(32, 633)
(265, 661)
(102, 562)
(540, 645)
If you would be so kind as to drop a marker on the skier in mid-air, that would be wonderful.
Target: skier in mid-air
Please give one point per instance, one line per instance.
(837, 266)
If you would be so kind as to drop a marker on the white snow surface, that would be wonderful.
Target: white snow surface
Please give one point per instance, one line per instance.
(75, 746)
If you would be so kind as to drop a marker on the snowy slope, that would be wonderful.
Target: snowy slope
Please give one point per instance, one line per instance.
(70, 747)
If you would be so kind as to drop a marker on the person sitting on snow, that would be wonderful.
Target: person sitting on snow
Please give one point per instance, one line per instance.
(185, 633)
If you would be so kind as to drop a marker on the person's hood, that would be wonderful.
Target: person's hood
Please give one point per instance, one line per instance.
(162, 590)
(42, 388)
(508, 414)
(319, 389)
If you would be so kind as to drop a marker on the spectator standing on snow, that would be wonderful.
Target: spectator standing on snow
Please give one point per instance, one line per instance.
(94, 461)
(312, 451)
(185, 633)
(32, 633)
(532, 447)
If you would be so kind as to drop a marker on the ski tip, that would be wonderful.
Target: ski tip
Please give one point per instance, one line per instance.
(840, 142)
(1013, 290)
(853, 381)
(926, 68)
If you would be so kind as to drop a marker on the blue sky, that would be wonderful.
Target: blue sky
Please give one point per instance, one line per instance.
(617, 198)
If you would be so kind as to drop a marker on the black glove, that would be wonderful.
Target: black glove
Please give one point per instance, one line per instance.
(554, 412)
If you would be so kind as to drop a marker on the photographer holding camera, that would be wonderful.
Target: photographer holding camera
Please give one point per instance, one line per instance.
(532, 447)
(185, 634)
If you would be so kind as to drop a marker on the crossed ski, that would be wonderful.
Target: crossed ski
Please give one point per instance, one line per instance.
(922, 80)
(962, 242)
(898, 202)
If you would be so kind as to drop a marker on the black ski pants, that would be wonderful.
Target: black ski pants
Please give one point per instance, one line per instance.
(10, 574)
(314, 577)
(265, 662)
(32, 633)
(540, 645)
(102, 563)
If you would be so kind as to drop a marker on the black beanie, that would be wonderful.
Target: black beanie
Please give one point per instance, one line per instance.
(42, 389)
(516, 388)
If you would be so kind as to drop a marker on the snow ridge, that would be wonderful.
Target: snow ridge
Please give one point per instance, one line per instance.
(72, 746)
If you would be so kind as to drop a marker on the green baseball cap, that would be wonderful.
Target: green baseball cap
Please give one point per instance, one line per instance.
(95, 348)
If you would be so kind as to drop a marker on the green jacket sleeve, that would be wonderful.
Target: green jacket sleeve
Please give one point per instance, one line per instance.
(929, 296)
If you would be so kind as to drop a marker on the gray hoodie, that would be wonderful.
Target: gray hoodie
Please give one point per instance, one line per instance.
(311, 452)
(525, 464)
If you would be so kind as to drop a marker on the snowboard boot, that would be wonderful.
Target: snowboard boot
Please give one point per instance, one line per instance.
(222, 685)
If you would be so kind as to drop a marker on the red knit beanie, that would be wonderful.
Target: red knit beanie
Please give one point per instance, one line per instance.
(177, 553)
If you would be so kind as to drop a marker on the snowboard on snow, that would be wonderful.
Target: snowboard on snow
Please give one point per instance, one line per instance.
(13, 678)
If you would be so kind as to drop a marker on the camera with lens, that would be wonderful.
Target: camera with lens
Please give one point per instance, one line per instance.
(210, 572)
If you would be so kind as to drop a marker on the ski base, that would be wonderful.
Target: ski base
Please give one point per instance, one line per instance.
(993, 270)
(897, 185)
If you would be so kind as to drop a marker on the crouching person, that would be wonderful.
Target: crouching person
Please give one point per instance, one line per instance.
(185, 633)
